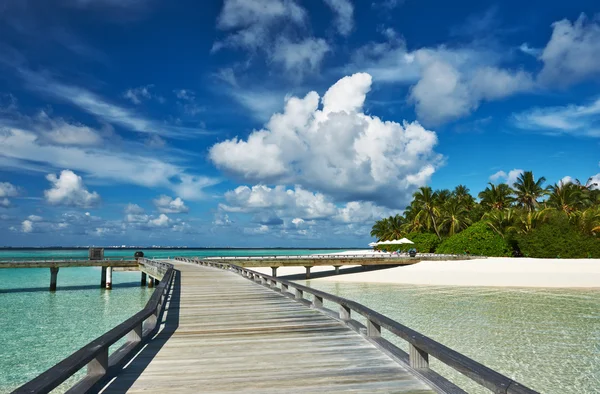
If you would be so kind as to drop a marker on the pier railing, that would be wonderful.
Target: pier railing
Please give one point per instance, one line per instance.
(95, 355)
(420, 346)
(339, 256)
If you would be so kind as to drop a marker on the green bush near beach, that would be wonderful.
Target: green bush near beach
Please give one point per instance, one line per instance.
(558, 238)
(478, 240)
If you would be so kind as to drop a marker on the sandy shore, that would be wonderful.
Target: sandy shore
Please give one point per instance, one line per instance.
(494, 271)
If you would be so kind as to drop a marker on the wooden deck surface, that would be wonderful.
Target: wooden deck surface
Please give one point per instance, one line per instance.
(226, 334)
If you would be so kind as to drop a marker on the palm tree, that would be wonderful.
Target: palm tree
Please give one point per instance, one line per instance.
(529, 220)
(463, 195)
(567, 197)
(426, 205)
(501, 221)
(588, 221)
(388, 228)
(455, 217)
(496, 197)
(527, 190)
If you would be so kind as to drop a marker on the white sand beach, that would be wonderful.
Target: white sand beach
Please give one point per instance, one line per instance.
(493, 271)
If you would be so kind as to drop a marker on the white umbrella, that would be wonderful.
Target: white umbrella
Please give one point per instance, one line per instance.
(396, 242)
(373, 244)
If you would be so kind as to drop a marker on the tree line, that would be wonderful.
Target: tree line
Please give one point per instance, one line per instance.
(513, 213)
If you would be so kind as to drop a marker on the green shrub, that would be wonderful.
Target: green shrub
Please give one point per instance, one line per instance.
(478, 240)
(558, 238)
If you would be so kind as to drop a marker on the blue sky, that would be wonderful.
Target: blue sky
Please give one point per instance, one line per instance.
(280, 122)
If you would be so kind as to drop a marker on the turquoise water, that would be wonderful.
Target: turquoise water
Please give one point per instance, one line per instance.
(39, 328)
(548, 339)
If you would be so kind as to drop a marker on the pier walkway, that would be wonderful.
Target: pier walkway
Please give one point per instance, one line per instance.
(216, 327)
(224, 333)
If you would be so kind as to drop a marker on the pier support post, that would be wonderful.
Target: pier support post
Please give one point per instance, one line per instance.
(150, 282)
(108, 278)
(337, 269)
(274, 272)
(103, 278)
(307, 271)
(156, 281)
(417, 358)
(53, 276)
(143, 281)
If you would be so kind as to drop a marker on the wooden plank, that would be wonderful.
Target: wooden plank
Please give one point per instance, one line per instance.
(224, 333)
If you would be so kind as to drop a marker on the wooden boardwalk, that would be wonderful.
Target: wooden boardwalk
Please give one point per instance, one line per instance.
(223, 333)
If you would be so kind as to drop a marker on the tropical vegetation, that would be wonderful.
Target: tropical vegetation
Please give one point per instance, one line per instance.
(526, 218)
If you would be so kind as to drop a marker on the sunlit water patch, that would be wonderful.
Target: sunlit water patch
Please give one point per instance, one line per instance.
(547, 339)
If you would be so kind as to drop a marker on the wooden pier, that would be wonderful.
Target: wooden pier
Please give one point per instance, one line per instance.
(107, 265)
(220, 328)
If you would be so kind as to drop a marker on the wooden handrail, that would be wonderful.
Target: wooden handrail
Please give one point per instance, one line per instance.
(137, 328)
(420, 346)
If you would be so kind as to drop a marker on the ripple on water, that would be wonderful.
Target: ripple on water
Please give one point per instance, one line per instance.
(548, 339)
(39, 328)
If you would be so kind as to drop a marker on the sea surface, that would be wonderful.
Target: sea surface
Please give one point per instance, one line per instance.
(547, 339)
(39, 328)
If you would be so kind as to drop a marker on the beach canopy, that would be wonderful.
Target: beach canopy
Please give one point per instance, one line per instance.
(373, 244)
(395, 242)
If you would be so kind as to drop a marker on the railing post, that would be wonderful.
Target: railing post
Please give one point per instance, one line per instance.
(99, 365)
(263, 281)
(373, 329)
(344, 312)
(417, 358)
(135, 335)
(299, 294)
(284, 288)
(317, 301)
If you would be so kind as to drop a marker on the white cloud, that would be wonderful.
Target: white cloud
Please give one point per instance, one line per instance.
(525, 48)
(137, 95)
(8, 190)
(300, 57)
(27, 226)
(60, 132)
(21, 147)
(343, 10)
(336, 150)
(251, 22)
(446, 83)
(166, 204)
(134, 209)
(161, 221)
(262, 229)
(4, 202)
(503, 177)
(35, 218)
(68, 189)
(572, 53)
(583, 120)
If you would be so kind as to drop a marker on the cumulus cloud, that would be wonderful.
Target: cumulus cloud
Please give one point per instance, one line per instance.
(166, 204)
(582, 120)
(572, 53)
(277, 205)
(503, 177)
(335, 148)
(27, 226)
(161, 221)
(446, 82)
(68, 189)
(35, 218)
(343, 10)
(7, 190)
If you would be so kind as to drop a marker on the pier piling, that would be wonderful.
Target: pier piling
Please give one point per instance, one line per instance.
(143, 281)
(150, 282)
(103, 278)
(274, 272)
(337, 269)
(53, 277)
(108, 278)
(307, 271)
